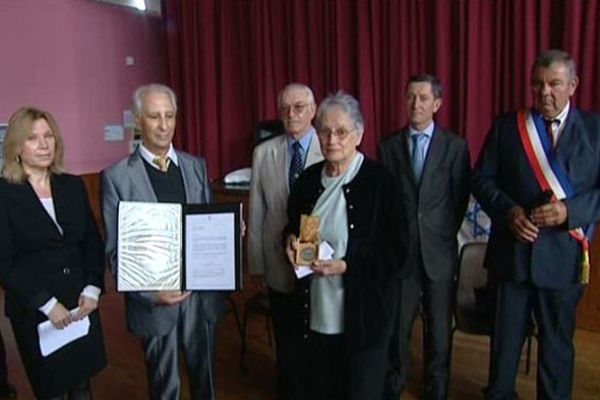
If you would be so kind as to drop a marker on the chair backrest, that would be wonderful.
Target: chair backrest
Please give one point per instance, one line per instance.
(267, 129)
(471, 275)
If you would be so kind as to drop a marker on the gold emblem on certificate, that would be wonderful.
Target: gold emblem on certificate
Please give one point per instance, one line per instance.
(308, 240)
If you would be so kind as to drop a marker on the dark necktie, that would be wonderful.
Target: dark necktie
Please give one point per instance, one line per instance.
(549, 123)
(296, 164)
(418, 154)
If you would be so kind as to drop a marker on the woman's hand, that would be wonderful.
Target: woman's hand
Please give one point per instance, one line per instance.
(59, 316)
(290, 249)
(329, 267)
(86, 306)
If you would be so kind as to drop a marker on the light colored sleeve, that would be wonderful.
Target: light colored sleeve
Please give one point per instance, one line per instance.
(46, 308)
(91, 292)
(110, 204)
(256, 218)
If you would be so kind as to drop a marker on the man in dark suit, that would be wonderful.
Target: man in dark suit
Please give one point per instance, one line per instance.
(431, 167)
(164, 320)
(533, 249)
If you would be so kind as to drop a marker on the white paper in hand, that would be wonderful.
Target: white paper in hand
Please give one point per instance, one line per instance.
(325, 253)
(52, 339)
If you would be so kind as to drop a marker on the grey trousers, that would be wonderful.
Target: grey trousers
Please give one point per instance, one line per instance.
(196, 337)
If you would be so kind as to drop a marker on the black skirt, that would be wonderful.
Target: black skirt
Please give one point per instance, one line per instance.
(67, 367)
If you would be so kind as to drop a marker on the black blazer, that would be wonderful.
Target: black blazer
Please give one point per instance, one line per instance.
(375, 251)
(434, 209)
(36, 261)
(503, 178)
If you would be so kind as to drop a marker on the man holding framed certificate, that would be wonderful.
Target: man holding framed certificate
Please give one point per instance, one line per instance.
(164, 320)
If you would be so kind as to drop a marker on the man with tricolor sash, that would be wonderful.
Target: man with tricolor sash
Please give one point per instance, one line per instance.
(538, 179)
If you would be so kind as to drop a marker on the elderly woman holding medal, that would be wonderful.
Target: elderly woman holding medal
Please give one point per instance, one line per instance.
(346, 304)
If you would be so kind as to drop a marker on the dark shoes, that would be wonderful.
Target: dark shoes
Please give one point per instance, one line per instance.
(8, 392)
(394, 386)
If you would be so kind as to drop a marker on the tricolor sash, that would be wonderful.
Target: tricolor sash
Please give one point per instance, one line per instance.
(549, 173)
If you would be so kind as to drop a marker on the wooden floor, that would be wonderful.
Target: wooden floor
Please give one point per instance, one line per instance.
(124, 378)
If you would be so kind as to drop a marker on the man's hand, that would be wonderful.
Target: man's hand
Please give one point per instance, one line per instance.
(329, 267)
(168, 297)
(86, 306)
(521, 227)
(550, 214)
(290, 249)
(243, 226)
(59, 316)
(259, 282)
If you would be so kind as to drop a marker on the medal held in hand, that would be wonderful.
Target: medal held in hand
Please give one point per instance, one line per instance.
(308, 240)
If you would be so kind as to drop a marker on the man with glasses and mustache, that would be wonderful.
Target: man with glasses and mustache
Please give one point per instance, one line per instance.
(276, 164)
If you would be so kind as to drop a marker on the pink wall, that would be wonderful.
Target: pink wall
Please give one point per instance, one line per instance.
(68, 57)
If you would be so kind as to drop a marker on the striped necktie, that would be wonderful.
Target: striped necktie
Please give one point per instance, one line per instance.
(162, 162)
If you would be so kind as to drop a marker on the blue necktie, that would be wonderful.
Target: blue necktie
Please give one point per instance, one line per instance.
(418, 154)
(296, 164)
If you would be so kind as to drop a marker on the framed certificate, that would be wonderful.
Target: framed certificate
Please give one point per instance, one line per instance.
(165, 246)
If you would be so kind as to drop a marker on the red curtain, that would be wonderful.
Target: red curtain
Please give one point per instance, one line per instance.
(229, 58)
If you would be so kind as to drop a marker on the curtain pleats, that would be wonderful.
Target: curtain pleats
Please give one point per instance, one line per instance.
(229, 58)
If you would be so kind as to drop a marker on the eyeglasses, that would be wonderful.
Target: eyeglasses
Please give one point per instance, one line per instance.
(339, 134)
(297, 108)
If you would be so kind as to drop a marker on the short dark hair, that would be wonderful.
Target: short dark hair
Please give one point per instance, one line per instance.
(436, 85)
(548, 57)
